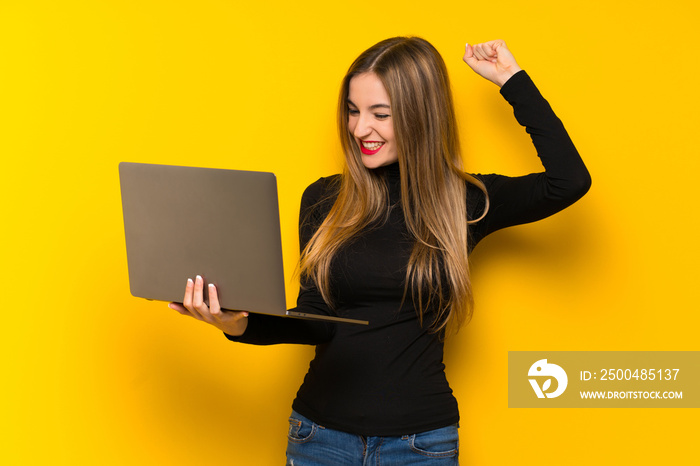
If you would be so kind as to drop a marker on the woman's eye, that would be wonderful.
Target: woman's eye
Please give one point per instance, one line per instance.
(381, 116)
(352, 111)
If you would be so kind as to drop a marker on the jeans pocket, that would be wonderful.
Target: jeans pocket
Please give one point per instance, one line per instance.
(301, 430)
(438, 443)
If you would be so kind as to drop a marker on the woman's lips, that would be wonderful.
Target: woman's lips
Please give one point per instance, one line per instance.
(370, 147)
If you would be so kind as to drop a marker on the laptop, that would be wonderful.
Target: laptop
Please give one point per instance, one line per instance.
(224, 225)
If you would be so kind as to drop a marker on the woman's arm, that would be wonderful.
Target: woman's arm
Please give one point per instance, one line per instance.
(517, 200)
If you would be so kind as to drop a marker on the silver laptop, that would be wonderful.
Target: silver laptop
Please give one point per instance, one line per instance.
(224, 225)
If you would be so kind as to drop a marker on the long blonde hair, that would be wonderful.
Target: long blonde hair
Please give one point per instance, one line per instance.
(433, 188)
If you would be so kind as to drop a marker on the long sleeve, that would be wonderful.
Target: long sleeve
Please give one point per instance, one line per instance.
(524, 199)
(267, 330)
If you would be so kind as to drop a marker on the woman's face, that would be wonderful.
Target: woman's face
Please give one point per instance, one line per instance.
(369, 120)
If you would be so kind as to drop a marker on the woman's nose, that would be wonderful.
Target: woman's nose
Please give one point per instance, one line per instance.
(362, 128)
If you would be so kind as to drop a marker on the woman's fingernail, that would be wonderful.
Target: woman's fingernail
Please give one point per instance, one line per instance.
(189, 281)
(199, 278)
(211, 286)
(245, 314)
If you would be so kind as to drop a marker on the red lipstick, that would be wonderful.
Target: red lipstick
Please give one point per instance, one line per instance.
(366, 151)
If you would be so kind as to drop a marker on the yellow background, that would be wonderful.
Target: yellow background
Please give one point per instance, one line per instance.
(94, 376)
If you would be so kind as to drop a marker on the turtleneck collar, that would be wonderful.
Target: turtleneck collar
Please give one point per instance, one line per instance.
(392, 176)
(392, 172)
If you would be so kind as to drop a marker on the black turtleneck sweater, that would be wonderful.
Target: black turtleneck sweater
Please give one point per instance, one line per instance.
(387, 378)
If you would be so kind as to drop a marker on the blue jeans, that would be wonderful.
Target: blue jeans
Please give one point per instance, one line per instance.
(310, 444)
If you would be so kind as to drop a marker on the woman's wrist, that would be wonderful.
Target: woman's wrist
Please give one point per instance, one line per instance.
(502, 79)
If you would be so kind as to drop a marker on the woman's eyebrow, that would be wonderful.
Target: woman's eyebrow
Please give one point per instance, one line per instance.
(372, 107)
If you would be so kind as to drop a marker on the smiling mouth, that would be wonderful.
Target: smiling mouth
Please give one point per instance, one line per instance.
(370, 147)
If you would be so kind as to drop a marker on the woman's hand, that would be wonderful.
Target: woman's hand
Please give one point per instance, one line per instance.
(491, 60)
(232, 322)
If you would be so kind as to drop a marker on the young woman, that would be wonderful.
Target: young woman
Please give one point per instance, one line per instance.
(388, 241)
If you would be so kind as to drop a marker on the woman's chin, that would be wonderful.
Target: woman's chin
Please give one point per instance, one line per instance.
(371, 161)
